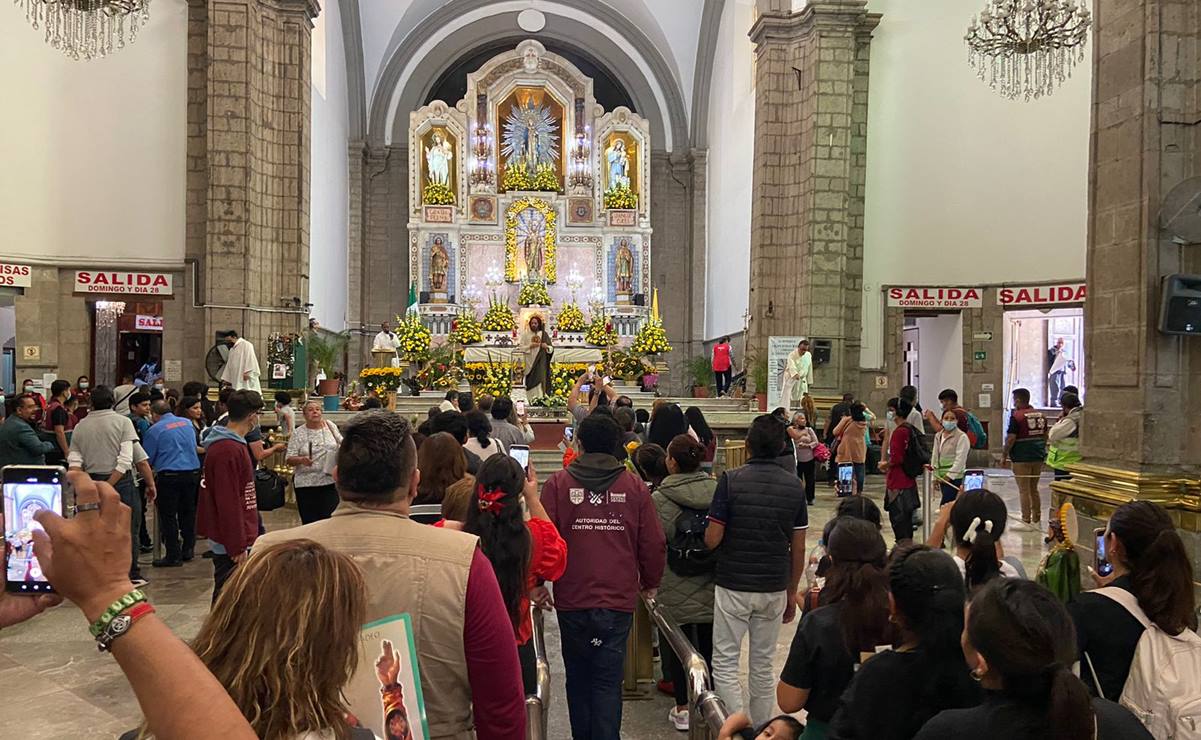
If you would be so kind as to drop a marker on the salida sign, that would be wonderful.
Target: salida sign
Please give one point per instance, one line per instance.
(141, 283)
(934, 297)
(17, 276)
(1042, 295)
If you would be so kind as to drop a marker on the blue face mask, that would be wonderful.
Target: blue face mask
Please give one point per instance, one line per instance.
(950, 426)
(892, 415)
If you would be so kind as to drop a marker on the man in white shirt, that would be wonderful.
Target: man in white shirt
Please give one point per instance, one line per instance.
(122, 394)
(385, 341)
(242, 368)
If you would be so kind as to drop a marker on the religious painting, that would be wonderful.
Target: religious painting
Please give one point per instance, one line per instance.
(530, 240)
(531, 140)
(439, 182)
(619, 160)
(579, 211)
(482, 210)
(624, 272)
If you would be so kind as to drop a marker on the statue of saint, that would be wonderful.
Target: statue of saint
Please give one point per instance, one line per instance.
(538, 351)
(439, 263)
(532, 251)
(619, 164)
(438, 157)
(625, 268)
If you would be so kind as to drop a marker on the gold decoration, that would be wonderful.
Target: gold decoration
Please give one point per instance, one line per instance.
(550, 240)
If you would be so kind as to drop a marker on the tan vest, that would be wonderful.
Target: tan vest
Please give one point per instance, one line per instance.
(414, 568)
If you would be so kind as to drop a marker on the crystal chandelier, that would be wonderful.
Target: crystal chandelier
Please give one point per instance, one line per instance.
(1025, 48)
(86, 29)
(107, 312)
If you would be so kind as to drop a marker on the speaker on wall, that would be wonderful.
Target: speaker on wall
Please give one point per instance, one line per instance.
(821, 351)
(1180, 307)
(424, 297)
(640, 299)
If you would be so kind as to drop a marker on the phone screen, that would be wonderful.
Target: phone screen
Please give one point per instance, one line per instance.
(586, 388)
(1104, 567)
(520, 406)
(568, 434)
(973, 480)
(846, 479)
(521, 454)
(27, 490)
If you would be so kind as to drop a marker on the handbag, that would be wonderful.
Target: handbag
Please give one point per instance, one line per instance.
(821, 453)
(269, 488)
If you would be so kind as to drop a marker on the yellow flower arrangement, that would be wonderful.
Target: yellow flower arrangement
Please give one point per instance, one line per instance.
(548, 212)
(545, 178)
(465, 329)
(516, 177)
(651, 339)
(492, 378)
(600, 331)
(499, 317)
(413, 338)
(437, 194)
(381, 378)
(620, 196)
(533, 294)
(571, 318)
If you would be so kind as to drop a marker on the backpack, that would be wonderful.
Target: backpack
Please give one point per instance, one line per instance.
(917, 457)
(686, 552)
(1161, 689)
(977, 434)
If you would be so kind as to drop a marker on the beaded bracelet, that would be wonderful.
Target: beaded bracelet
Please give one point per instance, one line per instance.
(121, 624)
(133, 597)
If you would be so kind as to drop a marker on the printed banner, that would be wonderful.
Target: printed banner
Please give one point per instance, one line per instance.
(1041, 295)
(385, 692)
(934, 297)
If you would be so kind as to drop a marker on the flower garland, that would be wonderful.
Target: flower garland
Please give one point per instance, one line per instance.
(600, 331)
(499, 317)
(413, 338)
(651, 339)
(548, 212)
(533, 294)
(376, 379)
(464, 329)
(437, 194)
(571, 318)
(620, 196)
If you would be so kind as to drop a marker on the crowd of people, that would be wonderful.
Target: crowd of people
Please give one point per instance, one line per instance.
(441, 523)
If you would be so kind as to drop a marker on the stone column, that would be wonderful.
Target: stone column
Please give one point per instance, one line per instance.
(248, 168)
(1143, 388)
(810, 168)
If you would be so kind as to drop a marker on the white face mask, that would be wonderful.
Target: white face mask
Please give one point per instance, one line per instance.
(892, 415)
(83, 386)
(950, 426)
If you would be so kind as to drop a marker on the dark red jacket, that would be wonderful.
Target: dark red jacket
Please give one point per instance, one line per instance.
(227, 511)
(615, 543)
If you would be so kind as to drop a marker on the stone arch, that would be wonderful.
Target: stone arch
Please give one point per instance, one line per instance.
(411, 71)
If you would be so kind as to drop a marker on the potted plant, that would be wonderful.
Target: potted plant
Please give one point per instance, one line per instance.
(758, 368)
(325, 351)
(700, 371)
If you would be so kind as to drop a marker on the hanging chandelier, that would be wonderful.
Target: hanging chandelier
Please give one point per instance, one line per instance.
(1026, 48)
(87, 29)
(107, 313)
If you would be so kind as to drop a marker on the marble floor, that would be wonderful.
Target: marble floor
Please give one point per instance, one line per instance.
(56, 685)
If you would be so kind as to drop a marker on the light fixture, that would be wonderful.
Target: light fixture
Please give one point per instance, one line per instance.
(482, 170)
(86, 29)
(107, 313)
(1026, 48)
(580, 168)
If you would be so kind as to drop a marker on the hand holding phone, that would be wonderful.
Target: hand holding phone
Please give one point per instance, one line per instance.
(1101, 563)
(973, 480)
(521, 453)
(28, 489)
(519, 405)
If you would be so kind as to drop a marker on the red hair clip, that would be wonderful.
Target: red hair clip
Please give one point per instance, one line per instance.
(491, 501)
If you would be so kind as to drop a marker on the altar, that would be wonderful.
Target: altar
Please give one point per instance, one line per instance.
(527, 192)
(562, 355)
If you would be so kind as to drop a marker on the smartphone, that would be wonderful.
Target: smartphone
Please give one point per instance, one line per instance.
(521, 453)
(586, 389)
(973, 480)
(28, 489)
(1100, 563)
(519, 404)
(591, 370)
(606, 380)
(846, 479)
(568, 434)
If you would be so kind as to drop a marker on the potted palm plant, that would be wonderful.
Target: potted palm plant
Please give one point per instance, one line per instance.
(325, 351)
(701, 372)
(758, 367)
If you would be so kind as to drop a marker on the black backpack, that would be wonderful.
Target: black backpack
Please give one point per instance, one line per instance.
(917, 457)
(686, 552)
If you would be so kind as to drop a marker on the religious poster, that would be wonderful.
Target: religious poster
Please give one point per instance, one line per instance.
(778, 349)
(385, 692)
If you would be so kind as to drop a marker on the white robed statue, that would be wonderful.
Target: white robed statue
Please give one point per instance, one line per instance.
(538, 350)
(438, 157)
(798, 375)
(242, 367)
(619, 164)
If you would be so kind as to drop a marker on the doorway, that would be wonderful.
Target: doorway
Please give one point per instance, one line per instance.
(933, 353)
(1044, 351)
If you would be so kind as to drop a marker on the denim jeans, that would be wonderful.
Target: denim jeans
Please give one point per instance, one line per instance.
(594, 651)
(735, 615)
(128, 493)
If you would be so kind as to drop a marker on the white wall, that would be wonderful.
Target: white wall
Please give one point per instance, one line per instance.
(964, 186)
(940, 357)
(328, 173)
(731, 153)
(93, 153)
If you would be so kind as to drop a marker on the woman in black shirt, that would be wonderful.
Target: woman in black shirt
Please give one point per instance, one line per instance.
(851, 620)
(1018, 642)
(1149, 561)
(896, 692)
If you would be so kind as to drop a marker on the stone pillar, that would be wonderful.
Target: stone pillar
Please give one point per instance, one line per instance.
(249, 117)
(675, 248)
(1143, 388)
(810, 168)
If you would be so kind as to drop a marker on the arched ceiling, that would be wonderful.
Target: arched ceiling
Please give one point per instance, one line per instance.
(649, 46)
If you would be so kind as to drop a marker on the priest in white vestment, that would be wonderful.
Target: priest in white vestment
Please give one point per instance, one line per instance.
(385, 340)
(798, 376)
(242, 368)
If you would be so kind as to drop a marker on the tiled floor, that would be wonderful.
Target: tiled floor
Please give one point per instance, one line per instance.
(55, 684)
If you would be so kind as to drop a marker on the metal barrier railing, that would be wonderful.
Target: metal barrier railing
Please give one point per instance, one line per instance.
(929, 510)
(706, 711)
(537, 704)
